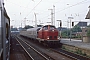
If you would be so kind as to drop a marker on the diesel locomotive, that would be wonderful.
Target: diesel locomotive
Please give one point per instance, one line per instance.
(47, 34)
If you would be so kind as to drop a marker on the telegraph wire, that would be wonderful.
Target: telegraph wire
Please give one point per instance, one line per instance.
(68, 7)
(26, 6)
(55, 12)
(50, 6)
(34, 8)
(72, 5)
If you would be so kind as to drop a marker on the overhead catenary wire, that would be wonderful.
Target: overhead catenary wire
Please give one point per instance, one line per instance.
(34, 8)
(26, 7)
(59, 10)
(73, 5)
(68, 7)
(39, 3)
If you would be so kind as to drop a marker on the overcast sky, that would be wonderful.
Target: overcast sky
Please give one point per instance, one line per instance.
(18, 10)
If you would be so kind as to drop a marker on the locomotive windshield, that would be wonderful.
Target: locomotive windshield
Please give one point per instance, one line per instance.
(52, 27)
(49, 27)
(45, 27)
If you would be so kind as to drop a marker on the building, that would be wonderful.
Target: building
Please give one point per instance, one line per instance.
(88, 14)
(82, 24)
(84, 31)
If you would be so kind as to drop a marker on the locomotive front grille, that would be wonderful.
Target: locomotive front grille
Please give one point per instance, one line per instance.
(55, 37)
(50, 37)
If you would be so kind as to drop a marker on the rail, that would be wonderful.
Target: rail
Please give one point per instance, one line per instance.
(46, 58)
(70, 54)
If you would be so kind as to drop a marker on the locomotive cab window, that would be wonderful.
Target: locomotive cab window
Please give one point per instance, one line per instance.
(45, 27)
(49, 27)
(52, 27)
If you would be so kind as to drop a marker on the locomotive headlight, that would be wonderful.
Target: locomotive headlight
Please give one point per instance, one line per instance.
(47, 37)
(58, 37)
(53, 30)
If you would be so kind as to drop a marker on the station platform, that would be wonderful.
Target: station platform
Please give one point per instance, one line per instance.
(77, 46)
(77, 43)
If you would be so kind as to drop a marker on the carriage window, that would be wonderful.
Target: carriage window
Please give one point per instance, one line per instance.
(38, 29)
(7, 31)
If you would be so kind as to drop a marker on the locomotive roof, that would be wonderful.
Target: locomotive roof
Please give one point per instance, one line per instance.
(49, 25)
(37, 28)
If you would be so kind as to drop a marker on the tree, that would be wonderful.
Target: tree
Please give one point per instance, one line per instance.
(76, 29)
(88, 25)
(65, 33)
(39, 25)
(27, 27)
(14, 29)
(88, 33)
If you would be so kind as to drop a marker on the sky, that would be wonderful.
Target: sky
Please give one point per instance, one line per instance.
(22, 12)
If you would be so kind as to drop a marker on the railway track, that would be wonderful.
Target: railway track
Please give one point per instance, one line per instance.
(70, 54)
(32, 52)
(50, 53)
(16, 51)
(35, 52)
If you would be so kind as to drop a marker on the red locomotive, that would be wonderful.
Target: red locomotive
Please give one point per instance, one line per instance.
(47, 34)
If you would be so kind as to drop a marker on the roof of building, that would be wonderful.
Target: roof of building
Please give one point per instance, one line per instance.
(82, 24)
(88, 15)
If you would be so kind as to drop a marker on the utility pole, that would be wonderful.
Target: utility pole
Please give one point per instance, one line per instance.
(21, 19)
(70, 26)
(25, 21)
(35, 20)
(54, 14)
(21, 24)
(60, 27)
(51, 16)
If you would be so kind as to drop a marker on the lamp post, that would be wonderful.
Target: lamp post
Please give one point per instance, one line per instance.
(35, 19)
(51, 16)
(25, 21)
(54, 14)
(60, 26)
(70, 26)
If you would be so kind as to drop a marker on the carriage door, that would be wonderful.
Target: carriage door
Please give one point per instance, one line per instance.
(0, 37)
